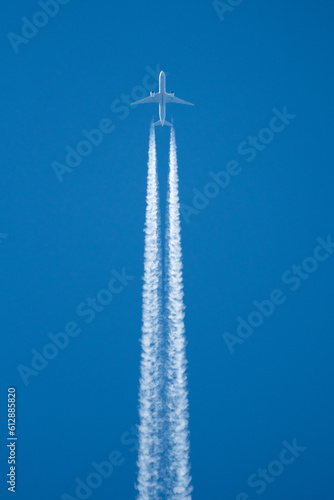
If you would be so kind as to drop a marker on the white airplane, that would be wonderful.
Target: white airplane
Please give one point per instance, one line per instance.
(162, 98)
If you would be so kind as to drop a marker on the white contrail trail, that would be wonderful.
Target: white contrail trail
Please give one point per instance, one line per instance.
(150, 393)
(179, 479)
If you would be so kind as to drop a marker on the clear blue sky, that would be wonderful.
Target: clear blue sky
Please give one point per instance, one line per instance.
(59, 241)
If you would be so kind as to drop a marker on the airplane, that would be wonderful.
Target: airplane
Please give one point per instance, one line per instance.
(162, 98)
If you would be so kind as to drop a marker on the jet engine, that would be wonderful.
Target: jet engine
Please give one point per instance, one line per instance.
(152, 93)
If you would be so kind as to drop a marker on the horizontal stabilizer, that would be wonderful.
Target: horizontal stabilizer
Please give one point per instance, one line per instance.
(165, 123)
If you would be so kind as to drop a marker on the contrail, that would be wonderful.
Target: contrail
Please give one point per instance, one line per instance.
(151, 381)
(179, 479)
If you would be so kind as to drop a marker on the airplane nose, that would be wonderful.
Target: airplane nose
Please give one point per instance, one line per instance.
(162, 73)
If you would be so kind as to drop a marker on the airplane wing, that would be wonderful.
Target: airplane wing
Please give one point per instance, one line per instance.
(155, 98)
(172, 98)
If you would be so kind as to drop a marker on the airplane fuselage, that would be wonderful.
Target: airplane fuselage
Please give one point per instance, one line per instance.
(162, 103)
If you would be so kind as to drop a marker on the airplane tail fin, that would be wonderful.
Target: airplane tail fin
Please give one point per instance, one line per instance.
(165, 123)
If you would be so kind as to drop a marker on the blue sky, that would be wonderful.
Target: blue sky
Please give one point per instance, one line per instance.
(61, 243)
